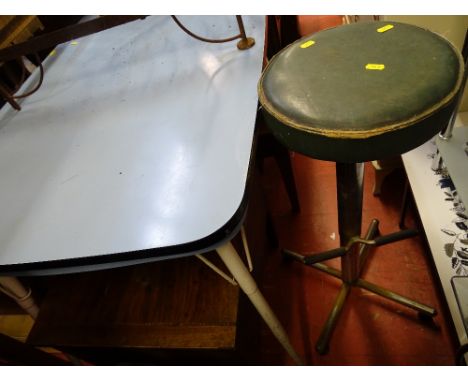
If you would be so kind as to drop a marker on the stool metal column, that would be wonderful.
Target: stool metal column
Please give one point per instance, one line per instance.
(349, 181)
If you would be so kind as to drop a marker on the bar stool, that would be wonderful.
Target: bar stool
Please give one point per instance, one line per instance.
(352, 94)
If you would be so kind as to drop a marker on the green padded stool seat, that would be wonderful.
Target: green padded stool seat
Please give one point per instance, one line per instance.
(357, 93)
(354, 94)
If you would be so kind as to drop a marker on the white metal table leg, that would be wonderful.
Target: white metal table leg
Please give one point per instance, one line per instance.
(245, 280)
(14, 289)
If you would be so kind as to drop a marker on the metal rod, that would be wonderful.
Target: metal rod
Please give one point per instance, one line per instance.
(329, 270)
(424, 309)
(246, 248)
(315, 258)
(326, 255)
(349, 180)
(41, 79)
(363, 248)
(245, 42)
(216, 41)
(248, 285)
(213, 267)
(330, 324)
(7, 96)
(395, 236)
(241, 27)
(293, 255)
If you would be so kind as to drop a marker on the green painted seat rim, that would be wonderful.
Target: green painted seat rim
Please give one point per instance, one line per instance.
(357, 134)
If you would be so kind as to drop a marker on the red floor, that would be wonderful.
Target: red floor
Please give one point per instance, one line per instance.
(371, 330)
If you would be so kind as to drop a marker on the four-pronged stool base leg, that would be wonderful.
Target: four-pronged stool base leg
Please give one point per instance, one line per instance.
(353, 251)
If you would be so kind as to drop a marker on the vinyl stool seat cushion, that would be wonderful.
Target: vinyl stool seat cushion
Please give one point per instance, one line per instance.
(354, 94)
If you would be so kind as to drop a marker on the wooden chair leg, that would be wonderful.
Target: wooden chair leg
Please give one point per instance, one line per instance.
(283, 160)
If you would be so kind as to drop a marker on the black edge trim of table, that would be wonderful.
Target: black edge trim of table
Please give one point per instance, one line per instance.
(223, 234)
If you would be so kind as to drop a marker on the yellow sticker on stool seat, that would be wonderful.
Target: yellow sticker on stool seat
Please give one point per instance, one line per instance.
(375, 66)
(385, 28)
(307, 44)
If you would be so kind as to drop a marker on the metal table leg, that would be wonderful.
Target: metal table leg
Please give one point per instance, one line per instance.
(14, 289)
(245, 280)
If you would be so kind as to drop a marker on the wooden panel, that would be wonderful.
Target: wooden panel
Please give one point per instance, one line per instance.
(141, 335)
(172, 304)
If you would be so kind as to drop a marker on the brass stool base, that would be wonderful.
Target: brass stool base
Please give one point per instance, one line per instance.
(369, 240)
(245, 43)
